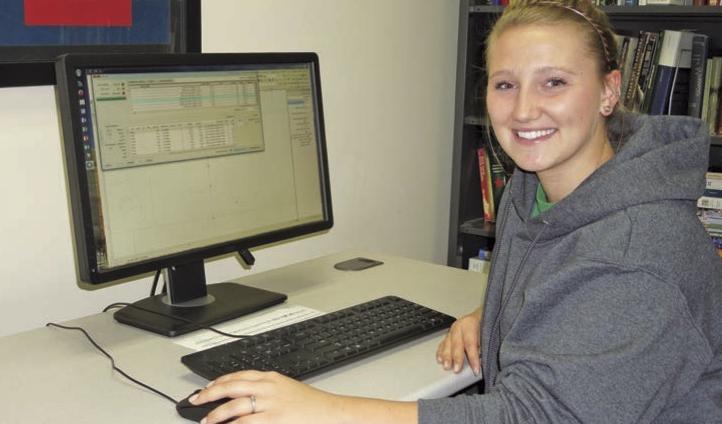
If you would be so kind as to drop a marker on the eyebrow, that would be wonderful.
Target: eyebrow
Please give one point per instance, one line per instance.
(540, 70)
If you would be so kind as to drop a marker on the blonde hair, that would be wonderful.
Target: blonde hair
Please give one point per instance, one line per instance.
(592, 23)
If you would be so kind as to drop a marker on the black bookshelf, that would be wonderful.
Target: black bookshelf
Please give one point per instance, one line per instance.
(467, 230)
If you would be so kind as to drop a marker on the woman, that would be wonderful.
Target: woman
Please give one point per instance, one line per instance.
(604, 301)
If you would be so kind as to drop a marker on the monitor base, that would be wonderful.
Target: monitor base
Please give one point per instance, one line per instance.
(229, 300)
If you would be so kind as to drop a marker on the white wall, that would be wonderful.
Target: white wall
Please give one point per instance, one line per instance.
(388, 69)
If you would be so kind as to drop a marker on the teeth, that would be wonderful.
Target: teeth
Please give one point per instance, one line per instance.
(530, 135)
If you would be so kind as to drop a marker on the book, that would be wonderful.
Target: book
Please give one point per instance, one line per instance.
(636, 68)
(480, 263)
(698, 65)
(487, 191)
(648, 72)
(679, 96)
(672, 72)
(709, 202)
(666, 3)
(715, 80)
(705, 90)
(713, 181)
(626, 59)
(498, 182)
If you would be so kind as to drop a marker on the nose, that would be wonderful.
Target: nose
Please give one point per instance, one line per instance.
(526, 105)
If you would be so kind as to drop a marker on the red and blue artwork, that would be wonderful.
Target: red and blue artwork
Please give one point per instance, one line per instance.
(84, 22)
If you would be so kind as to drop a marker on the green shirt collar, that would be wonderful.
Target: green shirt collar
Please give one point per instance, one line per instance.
(542, 204)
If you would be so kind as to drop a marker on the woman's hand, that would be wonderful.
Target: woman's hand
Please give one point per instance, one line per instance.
(269, 397)
(461, 341)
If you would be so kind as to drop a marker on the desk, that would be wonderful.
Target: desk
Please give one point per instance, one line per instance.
(55, 376)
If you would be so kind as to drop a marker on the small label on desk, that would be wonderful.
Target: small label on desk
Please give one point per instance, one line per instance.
(204, 339)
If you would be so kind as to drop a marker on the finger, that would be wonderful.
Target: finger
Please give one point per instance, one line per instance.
(236, 408)
(228, 389)
(441, 349)
(457, 351)
(446, 352)
(472, 354)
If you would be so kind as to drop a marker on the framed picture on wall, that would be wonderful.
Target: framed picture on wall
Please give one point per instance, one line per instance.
(35, 32)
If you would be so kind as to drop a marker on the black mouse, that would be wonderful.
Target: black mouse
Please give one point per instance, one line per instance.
(197, 412)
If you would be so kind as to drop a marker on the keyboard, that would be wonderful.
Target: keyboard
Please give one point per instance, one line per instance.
(319, 344)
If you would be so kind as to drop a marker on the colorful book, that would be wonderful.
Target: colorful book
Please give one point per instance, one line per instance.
(487, 188)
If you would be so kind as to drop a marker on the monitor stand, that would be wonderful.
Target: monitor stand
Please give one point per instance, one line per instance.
(190, 305)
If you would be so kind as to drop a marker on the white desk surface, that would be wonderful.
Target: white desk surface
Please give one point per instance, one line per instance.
(55, 376)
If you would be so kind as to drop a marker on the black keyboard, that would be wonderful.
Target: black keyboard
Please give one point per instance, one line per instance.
(319, 344)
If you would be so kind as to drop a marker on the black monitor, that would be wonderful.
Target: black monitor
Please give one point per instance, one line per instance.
(175, 158)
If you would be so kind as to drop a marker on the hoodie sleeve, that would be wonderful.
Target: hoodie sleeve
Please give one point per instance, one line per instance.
(594, 344)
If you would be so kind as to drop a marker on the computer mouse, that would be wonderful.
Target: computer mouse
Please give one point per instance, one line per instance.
(197, 412)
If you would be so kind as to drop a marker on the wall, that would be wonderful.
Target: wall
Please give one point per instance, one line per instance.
(387, 71)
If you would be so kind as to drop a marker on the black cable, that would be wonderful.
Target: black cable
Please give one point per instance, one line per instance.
(130, 305)
(112, 361)
(155, 283)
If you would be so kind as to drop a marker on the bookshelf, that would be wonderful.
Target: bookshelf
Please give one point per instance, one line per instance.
(467, 230)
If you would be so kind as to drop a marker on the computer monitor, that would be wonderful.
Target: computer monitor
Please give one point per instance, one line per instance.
(175, 158)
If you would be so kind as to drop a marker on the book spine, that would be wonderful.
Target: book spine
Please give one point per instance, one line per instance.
(713, 181)
(630, 95)
(646, 71)
(627, 61)
(719, 115)
(651, 80)
(487, 192)
(498, 181)
(649, 71)
(715, 82)
(707, 87)
(709, 202)
(700, 48)
(660, 96)
(711, 192)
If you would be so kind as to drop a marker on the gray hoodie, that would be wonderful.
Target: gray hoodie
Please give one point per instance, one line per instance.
(606, 308)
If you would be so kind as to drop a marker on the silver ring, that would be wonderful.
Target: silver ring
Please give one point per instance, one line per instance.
(253, 404)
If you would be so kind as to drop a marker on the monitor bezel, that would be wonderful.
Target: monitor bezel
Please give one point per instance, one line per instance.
(80, 205)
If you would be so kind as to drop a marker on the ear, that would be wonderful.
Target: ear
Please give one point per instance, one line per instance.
(610, 92)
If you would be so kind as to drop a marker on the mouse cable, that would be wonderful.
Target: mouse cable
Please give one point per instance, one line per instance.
(112, 361)
(171, 316)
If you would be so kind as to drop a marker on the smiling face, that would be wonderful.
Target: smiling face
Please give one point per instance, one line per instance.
(547, 102)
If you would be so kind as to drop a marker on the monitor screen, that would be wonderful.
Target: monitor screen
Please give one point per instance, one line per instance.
(175, 158)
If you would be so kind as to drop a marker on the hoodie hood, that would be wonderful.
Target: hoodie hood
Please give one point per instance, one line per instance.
(665, 156)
